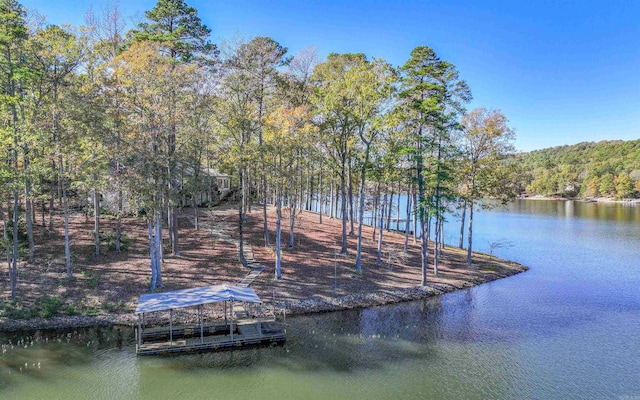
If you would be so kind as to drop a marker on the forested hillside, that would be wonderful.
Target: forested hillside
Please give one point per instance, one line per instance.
(607, 168)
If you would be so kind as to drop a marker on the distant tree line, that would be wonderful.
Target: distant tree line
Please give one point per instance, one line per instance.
(141, 113)
(602, 169)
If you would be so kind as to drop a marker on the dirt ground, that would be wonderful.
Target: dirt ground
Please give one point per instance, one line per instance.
(106, 288)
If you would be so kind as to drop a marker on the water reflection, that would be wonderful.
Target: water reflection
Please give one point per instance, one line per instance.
(619, 212)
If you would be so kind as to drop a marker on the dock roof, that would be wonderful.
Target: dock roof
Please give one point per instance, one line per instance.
(195, 297)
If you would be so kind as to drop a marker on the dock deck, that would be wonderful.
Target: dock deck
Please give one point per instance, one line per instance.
(237, 329)
(219, 337)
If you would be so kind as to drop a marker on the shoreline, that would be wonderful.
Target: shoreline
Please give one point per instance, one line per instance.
(606, 200)
(292, 308)
(315, 277)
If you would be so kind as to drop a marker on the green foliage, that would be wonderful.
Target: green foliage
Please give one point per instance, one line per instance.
(92, 278)
(624, 186)
(109, 238)
(44, 307)
(15, 309)
(584, 169)
(71, 309)
(23, 239)
(49, 306)
(607, 186)
(111, 307)
(176, 26)
(91, 311)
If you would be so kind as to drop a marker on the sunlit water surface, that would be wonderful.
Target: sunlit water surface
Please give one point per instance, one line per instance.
(567, 329)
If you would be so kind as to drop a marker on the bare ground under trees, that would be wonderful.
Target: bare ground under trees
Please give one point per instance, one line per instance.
(105, 288)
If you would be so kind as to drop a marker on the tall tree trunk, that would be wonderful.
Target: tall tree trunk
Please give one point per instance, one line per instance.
(5, 235)
(363, 173)
(351, 229)
(464, 212)
(331, 199)
(436, 245)
(159, 252)
(292, 222)
(241, 221)
(320, 196)
(119, 223)
(470, 234)
(422, 215)
(407, 223)
(436, 254)
(96, 220)
(343, 198)
(42, 209)
(65, 210)
(264, 209)
(152, 254)
(307, 195)
(300, 194)
(248, 178)
(390, 208)
(196, 217)
(52, 191)
(175, 244)
(118, 180)
(278, 237)
(383, 206)
(398, 208)
(14, 256)
(263, 176)
(416, 214)
(28, 216)
(376, 203)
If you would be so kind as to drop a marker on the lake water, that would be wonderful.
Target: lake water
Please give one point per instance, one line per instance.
(567, 329)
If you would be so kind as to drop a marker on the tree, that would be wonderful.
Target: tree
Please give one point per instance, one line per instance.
(593, 187)
(58, 54)
(105, 38)
(13, 34)
(607, 185)
(234, 113)
(485, 142)
(372, 86)
(431, 99)
(183, 38)
(624, 186)
(144, 77)
(260, 59)
(285, 131)
(337, 117)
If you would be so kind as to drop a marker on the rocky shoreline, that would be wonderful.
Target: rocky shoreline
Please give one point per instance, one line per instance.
(298, 307)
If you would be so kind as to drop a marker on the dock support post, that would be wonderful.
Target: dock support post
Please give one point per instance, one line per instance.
(171, 326)
(139, 333)
(231, 320)
(259, 319)
(201, 324)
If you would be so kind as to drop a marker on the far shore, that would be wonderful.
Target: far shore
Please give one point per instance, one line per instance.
(582, 199)
(315, 277)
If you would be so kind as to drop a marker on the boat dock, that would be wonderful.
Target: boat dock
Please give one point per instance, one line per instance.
(236, 330)
(247, 334)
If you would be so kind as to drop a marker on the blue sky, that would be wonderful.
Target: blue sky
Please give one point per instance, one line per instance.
(562, 71)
